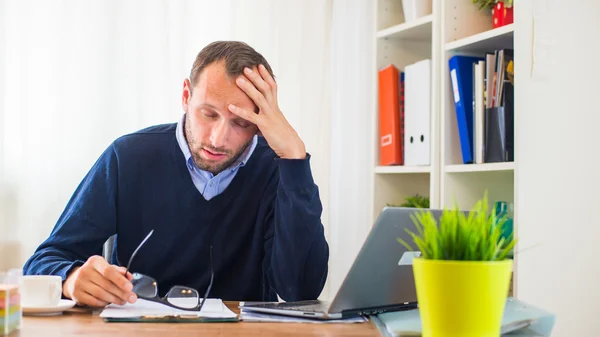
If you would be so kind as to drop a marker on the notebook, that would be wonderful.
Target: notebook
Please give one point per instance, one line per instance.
(214, 310)
(520, 319)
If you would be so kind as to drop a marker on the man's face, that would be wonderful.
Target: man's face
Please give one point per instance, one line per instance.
(216, 137)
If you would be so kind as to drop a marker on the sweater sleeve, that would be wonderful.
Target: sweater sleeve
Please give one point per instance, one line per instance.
(296, 250)
(87, 221)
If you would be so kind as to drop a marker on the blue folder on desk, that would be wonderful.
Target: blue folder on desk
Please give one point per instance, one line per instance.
(520, 320)
(461, 76)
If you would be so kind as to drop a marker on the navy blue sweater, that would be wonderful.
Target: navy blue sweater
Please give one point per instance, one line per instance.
(265, 227)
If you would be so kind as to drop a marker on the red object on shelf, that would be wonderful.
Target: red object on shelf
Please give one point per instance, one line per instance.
(390, 128)
(502, 15)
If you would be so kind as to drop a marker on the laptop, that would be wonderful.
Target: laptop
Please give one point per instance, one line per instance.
(379, 280)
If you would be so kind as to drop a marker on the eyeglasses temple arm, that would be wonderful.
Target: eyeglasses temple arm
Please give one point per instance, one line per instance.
(212, 276)
(137, 249)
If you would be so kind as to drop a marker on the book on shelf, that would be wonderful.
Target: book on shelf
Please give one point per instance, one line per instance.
(499, 112)
(404, 98)
(390, 124)
(483, 92)
(401, 107)
(461, 76)
(417, 114)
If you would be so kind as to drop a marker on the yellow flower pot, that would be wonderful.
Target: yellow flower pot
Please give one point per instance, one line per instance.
(461, 298)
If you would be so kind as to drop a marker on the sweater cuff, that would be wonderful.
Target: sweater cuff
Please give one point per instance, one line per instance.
(65, 269)
(295, 173)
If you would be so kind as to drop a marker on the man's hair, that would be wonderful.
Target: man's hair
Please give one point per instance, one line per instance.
(236, 55)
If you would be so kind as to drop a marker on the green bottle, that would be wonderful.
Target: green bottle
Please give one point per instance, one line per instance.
(501, 209)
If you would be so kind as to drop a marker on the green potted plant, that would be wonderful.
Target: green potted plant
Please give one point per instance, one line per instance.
(489, 4)
(502, 11)
(463, 274)
(415, 201)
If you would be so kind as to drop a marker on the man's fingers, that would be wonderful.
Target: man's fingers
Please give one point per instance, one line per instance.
(258, 81)
(106, 284)
(269, 79)
(250, 116)
(101, 294)
(84, 298)
(122, 270)
(111, 278)
(98, 283)
(250, 90)
(113, 274)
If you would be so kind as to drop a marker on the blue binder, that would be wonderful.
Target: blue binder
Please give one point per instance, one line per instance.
(461, 75)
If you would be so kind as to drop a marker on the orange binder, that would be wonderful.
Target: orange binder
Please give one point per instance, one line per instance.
(390, 141)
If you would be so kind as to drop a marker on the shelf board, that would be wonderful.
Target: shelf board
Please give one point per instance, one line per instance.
(489, 167)
(497, 38)
(419, 29)
(400, 169)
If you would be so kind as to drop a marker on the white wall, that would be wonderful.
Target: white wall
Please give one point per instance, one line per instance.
(558, 164)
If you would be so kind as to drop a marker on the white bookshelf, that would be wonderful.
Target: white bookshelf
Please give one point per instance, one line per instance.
(486, 167)
(402, 169)
(468, 31)
(454, 27)
(498, 38)
(419, 29)
(402, 43)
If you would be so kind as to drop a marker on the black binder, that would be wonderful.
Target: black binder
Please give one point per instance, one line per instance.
(499, 129)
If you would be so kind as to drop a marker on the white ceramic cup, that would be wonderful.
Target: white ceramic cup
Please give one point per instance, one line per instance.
(40, 291)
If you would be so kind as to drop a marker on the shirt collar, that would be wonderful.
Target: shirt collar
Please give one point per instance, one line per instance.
(183, 145)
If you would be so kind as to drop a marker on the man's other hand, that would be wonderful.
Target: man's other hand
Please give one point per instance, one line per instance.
(260, 86)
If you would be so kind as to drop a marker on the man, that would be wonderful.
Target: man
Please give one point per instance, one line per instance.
(232, 174)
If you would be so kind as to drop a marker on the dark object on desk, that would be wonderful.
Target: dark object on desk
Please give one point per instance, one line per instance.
(380, 279)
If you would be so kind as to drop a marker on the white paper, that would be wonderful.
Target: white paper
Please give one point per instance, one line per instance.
(251, 316)
(213, 308)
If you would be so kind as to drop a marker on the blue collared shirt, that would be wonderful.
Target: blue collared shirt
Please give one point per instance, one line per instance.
(208, 184)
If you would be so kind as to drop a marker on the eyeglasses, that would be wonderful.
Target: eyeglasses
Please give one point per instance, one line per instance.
(178, 297)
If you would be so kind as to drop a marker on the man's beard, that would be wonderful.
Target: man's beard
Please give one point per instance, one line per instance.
(205, 165)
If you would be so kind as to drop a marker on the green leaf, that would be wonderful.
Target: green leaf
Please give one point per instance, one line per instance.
(489, 4)
(415, 201)
(405, 244)
(476, 236)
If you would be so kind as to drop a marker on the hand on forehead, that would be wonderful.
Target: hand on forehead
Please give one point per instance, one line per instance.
(219, 90)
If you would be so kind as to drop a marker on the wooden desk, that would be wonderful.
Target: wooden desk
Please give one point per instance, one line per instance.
(79, 322)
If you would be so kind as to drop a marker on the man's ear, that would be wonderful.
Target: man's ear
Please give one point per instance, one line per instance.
(186, 94)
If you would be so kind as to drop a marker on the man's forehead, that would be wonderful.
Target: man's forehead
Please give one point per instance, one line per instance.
(218, 89)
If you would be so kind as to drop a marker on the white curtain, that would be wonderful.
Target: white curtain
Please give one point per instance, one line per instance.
(74, 75)
(353, 106)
